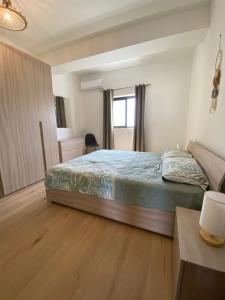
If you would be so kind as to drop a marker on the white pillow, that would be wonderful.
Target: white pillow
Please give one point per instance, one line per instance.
(176, 153)
(184, 170)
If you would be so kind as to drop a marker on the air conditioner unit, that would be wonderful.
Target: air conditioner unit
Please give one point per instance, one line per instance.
(91, 85)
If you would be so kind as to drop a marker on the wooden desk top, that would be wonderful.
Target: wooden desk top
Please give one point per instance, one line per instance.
(192, 248)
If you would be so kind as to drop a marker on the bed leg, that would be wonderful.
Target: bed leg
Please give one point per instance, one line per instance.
(48, 201)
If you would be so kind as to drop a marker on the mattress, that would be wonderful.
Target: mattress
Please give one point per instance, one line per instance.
(127, 177)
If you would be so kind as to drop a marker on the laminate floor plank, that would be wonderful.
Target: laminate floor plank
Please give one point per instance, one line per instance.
(53, 252)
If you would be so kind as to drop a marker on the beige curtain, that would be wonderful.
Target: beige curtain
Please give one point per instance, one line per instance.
(108, 136)
(139, 138)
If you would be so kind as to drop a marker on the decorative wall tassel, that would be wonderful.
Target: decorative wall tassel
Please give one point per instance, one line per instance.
(216, 79)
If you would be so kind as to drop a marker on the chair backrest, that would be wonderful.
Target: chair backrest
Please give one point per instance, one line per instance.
(90, 140)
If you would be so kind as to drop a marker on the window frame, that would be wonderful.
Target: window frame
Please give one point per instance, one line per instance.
(124, 98)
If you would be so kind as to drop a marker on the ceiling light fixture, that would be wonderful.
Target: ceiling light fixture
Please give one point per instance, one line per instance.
(10, 18)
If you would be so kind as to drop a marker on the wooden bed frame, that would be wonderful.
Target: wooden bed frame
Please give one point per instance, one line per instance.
(146, 218)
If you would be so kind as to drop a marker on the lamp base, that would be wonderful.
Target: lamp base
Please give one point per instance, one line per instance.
(210, 239)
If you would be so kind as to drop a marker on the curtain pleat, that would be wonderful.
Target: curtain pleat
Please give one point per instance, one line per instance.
(60, 112)
(139, 137)
(108, 135)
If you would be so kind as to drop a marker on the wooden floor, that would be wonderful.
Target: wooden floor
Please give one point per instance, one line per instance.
(51, 252)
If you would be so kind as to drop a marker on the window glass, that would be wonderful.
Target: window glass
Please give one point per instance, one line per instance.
(130, 112)
(119, 113)
(124, 112)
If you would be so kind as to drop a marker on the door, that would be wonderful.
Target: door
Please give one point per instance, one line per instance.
(12, 168)
(28, 116)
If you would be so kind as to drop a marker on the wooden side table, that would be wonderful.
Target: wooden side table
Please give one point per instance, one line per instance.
(199, 270)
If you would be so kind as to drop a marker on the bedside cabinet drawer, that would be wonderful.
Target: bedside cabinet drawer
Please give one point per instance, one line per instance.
(71, 148)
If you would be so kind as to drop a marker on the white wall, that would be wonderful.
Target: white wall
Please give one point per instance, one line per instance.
(123, 138)
(93, 114)
(166, 100)
(207, 129)
(67, 86)
(93, 117)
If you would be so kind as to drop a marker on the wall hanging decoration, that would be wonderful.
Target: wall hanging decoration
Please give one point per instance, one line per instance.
(216, 79)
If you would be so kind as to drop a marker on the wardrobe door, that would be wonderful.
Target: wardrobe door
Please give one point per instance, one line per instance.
(28, 116)
(12, 169)
(47, 116)
(28, 143)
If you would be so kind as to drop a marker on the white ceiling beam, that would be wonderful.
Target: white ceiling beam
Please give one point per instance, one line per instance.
(126, 55)
(148, 30)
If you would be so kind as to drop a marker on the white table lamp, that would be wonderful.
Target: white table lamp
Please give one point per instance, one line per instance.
(212, 219)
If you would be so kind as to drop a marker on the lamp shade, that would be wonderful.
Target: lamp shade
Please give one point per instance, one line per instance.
(212, 217)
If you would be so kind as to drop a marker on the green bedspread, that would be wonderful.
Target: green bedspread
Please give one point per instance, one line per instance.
(125, 176)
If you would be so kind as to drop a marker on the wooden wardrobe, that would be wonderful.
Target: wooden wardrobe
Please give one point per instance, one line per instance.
(28, 143)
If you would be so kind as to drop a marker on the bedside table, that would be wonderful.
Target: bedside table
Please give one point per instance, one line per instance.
(199, 270)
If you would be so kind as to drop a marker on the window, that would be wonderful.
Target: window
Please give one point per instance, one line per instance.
(123, 111)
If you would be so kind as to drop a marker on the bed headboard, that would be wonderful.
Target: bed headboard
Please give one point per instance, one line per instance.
(212, 165)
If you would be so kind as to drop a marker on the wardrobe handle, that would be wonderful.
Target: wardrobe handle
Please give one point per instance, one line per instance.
(43, 146)
(2, 193)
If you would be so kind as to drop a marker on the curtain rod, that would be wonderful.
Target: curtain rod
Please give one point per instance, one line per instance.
(126, 87)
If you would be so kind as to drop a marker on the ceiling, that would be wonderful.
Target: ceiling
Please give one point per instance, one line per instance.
(179, 45)
(52, 23)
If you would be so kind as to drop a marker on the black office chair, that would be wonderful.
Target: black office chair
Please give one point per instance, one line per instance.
(90, 142)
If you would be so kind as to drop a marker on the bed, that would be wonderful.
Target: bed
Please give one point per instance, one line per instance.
(128, 186)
